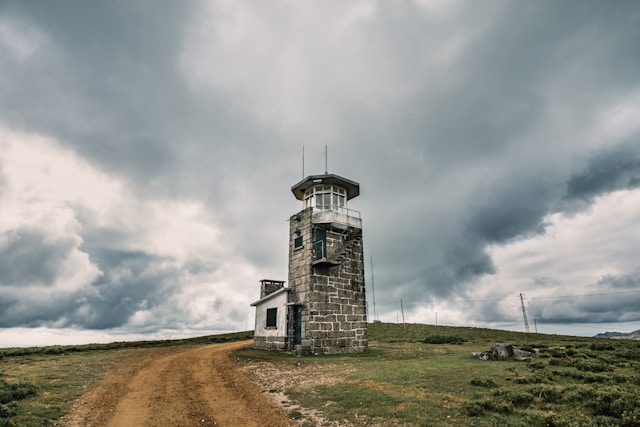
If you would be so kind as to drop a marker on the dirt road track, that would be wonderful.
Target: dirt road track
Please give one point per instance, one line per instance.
(193, 387)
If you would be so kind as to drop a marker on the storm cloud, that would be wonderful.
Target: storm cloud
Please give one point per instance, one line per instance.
(147, 151)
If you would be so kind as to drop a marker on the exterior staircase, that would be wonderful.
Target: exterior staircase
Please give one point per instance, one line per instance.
(350, 239)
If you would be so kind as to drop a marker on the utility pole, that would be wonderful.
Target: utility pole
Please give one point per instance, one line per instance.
(373, 290)
(524, 313)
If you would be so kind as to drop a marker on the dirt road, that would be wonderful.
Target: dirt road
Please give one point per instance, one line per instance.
(193, 387)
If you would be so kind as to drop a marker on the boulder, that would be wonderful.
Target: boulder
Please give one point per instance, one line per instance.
(504, 351)
(501, 351)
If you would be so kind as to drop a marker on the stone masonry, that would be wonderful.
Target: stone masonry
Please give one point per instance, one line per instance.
(330, 289)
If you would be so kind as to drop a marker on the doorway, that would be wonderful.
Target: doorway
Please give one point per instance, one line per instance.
(297, 337)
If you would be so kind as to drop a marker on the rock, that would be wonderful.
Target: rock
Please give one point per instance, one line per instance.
(504, 351)
(482, 355)
(522, 355)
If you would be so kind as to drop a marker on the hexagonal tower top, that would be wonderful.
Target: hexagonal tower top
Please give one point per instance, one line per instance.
(327, 196)
(352, 188)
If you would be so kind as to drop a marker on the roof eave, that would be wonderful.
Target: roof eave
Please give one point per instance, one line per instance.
(352, 187)
(271, 295)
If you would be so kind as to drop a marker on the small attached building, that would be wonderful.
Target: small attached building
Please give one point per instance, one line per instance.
(271, 316)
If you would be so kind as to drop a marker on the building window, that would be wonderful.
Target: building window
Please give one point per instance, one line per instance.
(297, 243)
(272, 315)
(325, 197)
(321, 243)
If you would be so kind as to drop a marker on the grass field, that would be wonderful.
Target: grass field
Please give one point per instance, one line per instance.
(402, 380)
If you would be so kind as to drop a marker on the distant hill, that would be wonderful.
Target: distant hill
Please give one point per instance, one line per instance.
(620, 336)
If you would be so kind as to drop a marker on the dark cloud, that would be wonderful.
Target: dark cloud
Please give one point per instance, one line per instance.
(132, 281)
(463, 127)
(473, 140)
(515, 212)
(33, 257)
(114, 90)
(614, 298)
(597, 309)
(607, 170)
(623, 281)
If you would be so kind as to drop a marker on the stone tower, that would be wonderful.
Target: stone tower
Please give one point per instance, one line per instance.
(327, 305)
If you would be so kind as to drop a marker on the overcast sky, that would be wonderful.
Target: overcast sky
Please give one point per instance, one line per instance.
(147, 151)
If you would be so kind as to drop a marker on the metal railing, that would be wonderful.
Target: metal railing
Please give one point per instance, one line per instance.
(336, 214)
(338, 209)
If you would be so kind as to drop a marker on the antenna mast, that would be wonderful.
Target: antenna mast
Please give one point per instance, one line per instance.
(326, 155)
(524, 314)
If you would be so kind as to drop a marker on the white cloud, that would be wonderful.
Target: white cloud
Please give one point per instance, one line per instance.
(574, 254)
(52, 190)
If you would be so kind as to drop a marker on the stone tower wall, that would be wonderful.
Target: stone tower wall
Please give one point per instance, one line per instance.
(332, 294)
(300, 259)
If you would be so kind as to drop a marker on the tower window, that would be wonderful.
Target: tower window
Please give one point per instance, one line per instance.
(325, 197)
(297, 242)
(272, 315)
(321, 243)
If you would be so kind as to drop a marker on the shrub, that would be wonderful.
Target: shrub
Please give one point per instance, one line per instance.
(601, 378)
(578, 394)
(558, 352)
(7, 411)
(572, 420)
(479, 407)
(474, 409)
(630, 417)
(517, 398)
(602, 346)
(538, 378)
(548, 393)
(10, 392)
(614, 401)
(537, 364)
(484, 382)
(444, 339)
(565, 361)
(630, 354)
(572, 352)
(592, 366)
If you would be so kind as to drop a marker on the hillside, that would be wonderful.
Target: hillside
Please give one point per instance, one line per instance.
(411, 375)
(404, 380)
(620, 335)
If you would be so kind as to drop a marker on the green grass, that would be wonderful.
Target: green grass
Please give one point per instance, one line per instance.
(403, 380)
(55, 376)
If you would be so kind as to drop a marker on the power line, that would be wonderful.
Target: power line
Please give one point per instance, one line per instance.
(586, 295)
(456, 300)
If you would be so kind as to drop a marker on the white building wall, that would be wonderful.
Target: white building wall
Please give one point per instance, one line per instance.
(271, 337)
